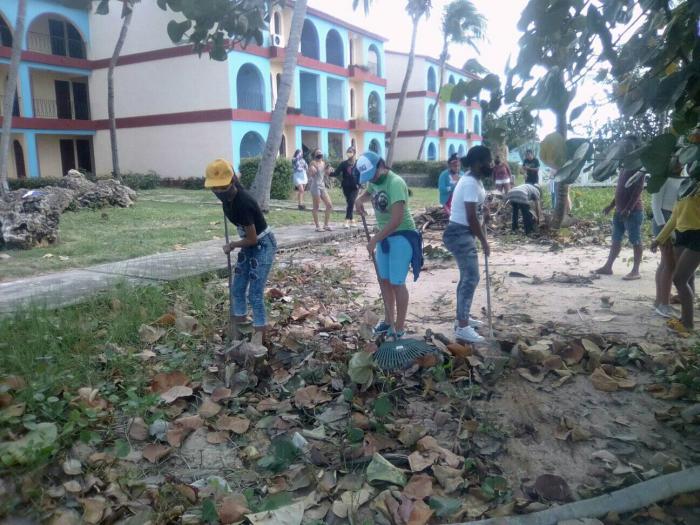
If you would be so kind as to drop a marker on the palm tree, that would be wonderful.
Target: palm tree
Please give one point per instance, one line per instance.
(263, 180)
(416, 9)
(461, 24)
(10, 91)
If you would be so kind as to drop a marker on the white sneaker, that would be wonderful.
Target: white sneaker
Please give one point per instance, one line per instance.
(468, 334)
(666, 310)
(474, 323)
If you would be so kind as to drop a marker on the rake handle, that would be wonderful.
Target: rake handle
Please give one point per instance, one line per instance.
(228, 255)
(374, 260)
(488, 295)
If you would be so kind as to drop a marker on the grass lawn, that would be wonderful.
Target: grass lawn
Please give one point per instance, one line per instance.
(163, 218)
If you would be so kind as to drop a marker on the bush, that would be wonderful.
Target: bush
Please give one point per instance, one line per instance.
(141, 181)
(190, 183)
(33, 183)
(282, 184)
(433, 168)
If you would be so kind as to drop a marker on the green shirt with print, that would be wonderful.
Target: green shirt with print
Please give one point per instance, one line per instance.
(386, 192)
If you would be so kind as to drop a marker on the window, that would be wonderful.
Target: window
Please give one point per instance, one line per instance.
(432, 81)
(373, 63)
(375, 146)
(249, 88)
(460, 151)
(252, 145)
(451, 121)
(432, 151)
(451, 150)
(75, 154)
(335, 145)
(374, 108)
(433, 123)
(334, 49)
(19, 160)
(277, 23)
(460, 122)
(65, 39)
(308, 87)
(336, 107)
(477, 125)
(309, 40)
(352, 103)
(5, 34)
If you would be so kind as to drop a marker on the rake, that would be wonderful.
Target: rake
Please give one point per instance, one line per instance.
(401, 353)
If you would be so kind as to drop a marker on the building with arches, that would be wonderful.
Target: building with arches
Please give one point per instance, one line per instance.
(176, 111)
(452, 128)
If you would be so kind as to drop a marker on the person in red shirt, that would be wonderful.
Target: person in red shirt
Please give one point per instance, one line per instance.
(502, 175)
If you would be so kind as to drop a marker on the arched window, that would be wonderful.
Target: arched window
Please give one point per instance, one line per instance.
(352, 103)
(375, 146)
(460, 151)
(277, 23)
(334, 49)
(250, 89)
(432, 151)
(373, 62)
(451, 150)
(452, 80)
(5, 33)
(19, 160)
(460, 122)
(451, 120)
(309, 41)
(433, 123)
(374, 108)
(51, 35)
(252, 145)
(432, 81)
(477, 125)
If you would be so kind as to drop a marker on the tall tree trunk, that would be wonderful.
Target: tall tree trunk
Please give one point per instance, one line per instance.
(562, 189)
(404, 90)
(10, 91)
(126, 20)
(436, 103)
(263, 179)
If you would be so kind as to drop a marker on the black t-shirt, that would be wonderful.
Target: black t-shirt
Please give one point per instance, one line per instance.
(531, 171)
(244, 211)
(346, 170)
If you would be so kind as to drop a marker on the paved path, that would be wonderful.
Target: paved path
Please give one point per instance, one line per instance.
(71, 286)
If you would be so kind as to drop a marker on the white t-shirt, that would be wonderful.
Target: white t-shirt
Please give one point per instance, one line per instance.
(665, 199)
(468, 189)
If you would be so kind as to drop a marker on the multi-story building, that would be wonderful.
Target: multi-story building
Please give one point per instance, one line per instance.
(176, 111)
(455, 127)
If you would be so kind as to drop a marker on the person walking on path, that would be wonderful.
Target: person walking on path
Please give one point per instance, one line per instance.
(523, 198)
(448, 180)
(349, 183)
(685, 223)
(317, 187)
(662, 203)
(396, 245)
(502, 175)
(532, 168)
(628, 217)
(459, 237)
(257, 246)
(299, 178)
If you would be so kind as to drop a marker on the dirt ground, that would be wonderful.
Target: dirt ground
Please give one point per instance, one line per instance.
(528, 419)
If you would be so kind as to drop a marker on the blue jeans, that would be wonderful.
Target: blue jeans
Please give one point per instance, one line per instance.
(460, 241)
(250, 275)
(632, 224)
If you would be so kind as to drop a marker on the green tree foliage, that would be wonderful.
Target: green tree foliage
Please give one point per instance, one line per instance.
(514, 128)
(281, 176)
(645, 126)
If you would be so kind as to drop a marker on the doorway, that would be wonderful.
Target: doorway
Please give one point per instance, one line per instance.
(20, 168)
(310, 141)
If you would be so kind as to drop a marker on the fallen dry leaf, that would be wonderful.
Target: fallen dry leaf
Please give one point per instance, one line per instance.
(154, 452)
(186, 323)
(450, 478)
(459, 350)
(149, 334)
(232, 509)
(237, 425)
(72, 467)
(421, 461)
(220, 394)
(429, 443)
(175, 393)
(310, 396)
(420, 486)
(165, 320)
(209, 408)
(93, 509)
(552, 488)
(268, 405)
(138, 429)
(217, 438)
(165, 381)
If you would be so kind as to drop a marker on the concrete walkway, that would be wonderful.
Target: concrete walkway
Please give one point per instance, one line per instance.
(71, 286)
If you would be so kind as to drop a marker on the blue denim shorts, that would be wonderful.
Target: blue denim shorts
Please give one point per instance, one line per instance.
(632, 225)
(393, 266)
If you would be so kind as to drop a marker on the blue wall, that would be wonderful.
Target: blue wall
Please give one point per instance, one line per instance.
(322, 28)
(236, 60)
(366, 43)
(381, 138)
(238, 130)
(368, 88)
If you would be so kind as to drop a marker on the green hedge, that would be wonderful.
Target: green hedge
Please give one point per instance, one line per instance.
(431, 167)
(141, 181)
(32, 183)
(282, 184)
(190, 183)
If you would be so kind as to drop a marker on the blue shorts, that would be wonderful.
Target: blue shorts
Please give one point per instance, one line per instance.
(632, 224)
(393, 266)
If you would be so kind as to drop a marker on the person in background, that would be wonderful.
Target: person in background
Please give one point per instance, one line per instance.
(523, 198)
(532, 168)
(685, 223)
(257, 246)
(396, 245)
(299, 177)
(349, 183)
(502, 175)
(628, 218)
(662, 203)
(317, 187)
(459, 237)
(448, 179)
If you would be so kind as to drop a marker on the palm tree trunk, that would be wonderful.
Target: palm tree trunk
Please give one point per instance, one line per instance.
(10, 91)
(562, 189)
(116, 172)
(443, 61)
(404, 90)
(263, 179)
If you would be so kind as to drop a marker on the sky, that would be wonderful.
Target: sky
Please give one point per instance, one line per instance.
(388, 18)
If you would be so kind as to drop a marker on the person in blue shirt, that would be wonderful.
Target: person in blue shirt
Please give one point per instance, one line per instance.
(448, 178)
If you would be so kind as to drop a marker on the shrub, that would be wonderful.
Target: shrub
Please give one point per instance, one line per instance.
(433, 168)
(189, 183)
(141, 181)
(33, 183)
(281, 177)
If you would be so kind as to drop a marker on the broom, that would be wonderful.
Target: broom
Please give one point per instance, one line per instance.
(395, 354)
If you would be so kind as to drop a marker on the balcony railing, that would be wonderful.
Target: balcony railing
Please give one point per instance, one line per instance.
(336, 111)
(310, 108)
(53, 45)
(49, 108)
(15, 107)
(251, 100)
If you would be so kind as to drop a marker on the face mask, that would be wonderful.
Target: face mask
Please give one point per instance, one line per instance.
(318, 157)
(487, 170)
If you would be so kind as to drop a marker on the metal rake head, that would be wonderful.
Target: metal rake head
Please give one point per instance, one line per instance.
(399, 354)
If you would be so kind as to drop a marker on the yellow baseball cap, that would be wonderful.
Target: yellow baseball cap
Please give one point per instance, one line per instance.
(219, 173)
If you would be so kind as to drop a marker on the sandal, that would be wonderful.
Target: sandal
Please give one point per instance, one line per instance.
(328, 228)
(319, 229)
